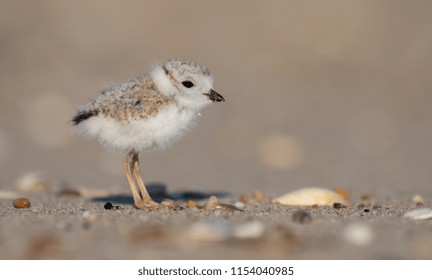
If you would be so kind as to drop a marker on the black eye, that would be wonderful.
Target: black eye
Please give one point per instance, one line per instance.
(187, 84)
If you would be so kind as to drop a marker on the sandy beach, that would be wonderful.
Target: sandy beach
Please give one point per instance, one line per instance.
(330, 95)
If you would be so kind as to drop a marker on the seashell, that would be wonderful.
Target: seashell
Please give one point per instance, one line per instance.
(419, 214)
(358, 234)
(345, 194)
(249, 230)
(258, 195)
(311, 196)
(240, 205)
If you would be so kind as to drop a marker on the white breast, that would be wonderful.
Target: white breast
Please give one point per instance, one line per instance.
(155, 133)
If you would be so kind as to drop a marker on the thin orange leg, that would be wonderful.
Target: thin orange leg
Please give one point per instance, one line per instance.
(127, 165)
(146, 198)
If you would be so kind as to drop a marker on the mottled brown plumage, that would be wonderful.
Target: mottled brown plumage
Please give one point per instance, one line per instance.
(131, 100)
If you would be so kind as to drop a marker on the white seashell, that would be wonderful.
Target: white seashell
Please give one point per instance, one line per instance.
(240, 205)
(419, 214)
(249, 230)
(311, 196)
(358, 234)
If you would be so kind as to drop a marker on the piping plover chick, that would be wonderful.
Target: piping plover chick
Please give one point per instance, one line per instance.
(146, 114)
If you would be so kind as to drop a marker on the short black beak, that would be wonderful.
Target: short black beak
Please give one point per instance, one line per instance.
(214, 96)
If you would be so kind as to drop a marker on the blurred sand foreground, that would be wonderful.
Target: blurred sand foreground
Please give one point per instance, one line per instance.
(321, 93)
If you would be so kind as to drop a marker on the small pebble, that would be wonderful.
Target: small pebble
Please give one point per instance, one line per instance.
(244, 198)
(338, 205)
(418, 199)
(358, 234)
(169, 202)
(301, 217)
(212, 203)
(258, 195)
(419, 214)
(192, 204)
(109, 206)
(21, 203)
(240, 205)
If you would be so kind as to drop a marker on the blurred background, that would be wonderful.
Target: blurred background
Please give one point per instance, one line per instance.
(318, 93)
